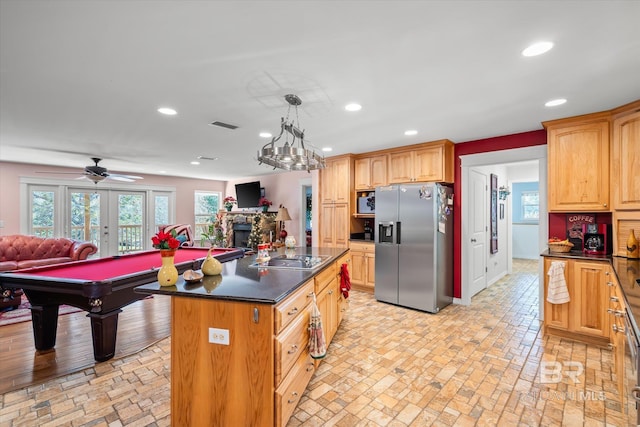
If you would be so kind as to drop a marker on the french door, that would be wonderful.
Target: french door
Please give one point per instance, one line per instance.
(114, 220)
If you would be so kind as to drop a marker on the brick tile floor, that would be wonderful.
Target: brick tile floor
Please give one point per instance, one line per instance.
(476, 365)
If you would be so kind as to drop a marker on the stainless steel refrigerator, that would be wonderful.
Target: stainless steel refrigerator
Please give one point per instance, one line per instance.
(414, 246)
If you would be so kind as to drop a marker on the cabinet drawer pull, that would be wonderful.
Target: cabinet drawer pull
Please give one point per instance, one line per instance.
(636, 393)
(330, 292)
(293, 311)
(611, 346)
(294, 394)
(616, 313)
(614, 299)
(310, 367)
(609, 283)
(293, 349)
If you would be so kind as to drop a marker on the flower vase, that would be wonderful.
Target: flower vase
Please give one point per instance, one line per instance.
(228, 208)
(168, 273)
(265, 209)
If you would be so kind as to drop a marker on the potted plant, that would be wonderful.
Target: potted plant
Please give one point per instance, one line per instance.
(264, 203)
(229, 202)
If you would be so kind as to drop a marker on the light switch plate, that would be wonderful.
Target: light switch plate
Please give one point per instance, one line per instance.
(219, 336)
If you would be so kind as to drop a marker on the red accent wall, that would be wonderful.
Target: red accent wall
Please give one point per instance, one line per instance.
(507, 142)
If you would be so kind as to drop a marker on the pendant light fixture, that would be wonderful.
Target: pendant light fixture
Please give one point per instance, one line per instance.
(291, 155)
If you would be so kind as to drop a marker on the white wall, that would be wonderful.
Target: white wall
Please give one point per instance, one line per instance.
(524, 237)
(284, 188)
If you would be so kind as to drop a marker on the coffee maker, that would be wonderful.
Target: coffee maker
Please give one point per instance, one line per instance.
(596, 239)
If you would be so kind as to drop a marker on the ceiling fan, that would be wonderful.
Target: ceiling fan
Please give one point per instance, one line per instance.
(97, 173)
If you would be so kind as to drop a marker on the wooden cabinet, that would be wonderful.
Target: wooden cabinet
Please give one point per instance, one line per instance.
(590, 299)
(329, 298)
(585, 316)
(578, 163)
(616, 312)
(370, 172)
(430, 163)
(625, 162)
(363, 257)
(334, 225)
(556, 316)
(336, 180)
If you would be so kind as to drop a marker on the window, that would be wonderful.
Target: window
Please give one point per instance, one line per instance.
(206, 207)
(530, 203)
(42, 213)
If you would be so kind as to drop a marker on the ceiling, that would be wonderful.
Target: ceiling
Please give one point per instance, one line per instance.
(84, 79)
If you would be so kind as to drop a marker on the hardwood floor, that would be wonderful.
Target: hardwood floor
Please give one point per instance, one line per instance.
(140, 325)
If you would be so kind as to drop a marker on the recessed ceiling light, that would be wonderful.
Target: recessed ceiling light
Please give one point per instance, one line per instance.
(327, 149)
(195, 163)
(353, 107)
(555, 102)
(265, 135)
(167, 111)
(411, 132)
(537, 49)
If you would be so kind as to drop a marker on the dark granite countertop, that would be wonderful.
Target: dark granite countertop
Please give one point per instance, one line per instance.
(627, 272)
(242, 282)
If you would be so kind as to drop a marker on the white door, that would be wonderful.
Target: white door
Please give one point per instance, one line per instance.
(477, 217)
(115, 221)
(88, 218)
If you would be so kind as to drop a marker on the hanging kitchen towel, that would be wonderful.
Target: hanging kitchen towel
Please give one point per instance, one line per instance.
(557, 292)
(317, 343)
(345, 280)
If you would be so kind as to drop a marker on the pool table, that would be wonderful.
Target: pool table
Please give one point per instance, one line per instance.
(99, 286)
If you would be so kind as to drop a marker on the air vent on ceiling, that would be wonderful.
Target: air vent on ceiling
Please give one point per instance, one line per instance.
(223, 125)
(207, 158)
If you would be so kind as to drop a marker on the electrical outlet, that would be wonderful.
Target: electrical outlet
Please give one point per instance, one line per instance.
(219, 336)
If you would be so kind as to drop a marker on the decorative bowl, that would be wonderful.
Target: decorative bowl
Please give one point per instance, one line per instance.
(191, 276)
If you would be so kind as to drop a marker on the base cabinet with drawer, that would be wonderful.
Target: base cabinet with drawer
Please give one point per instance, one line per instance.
(585, 316)
(259, 375)
(617, 313)
(363, 261)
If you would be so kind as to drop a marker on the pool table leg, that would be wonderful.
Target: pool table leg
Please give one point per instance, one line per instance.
(44, 319)
(104, 327)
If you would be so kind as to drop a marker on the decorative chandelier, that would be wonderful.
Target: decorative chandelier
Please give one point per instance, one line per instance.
(292, 155)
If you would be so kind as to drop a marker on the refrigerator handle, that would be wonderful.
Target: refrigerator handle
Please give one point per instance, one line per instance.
(398, 232)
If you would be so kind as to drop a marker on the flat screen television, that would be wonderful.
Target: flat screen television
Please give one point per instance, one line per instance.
(248, 194)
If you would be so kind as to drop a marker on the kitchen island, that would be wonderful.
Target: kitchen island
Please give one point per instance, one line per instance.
(239, 341)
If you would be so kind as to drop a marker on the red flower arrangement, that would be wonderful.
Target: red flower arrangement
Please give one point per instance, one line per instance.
(264, 202)
(165, 241)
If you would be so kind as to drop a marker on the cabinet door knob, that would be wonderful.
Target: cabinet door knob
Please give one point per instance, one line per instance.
(293, 349)
(605, 205)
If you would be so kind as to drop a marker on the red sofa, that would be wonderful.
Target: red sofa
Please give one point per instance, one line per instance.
(19, 251)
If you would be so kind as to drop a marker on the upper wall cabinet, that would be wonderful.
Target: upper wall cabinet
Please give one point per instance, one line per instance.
(432, 162)
(335, 180)
(370, 172)
(578, 162)
(625, 162)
